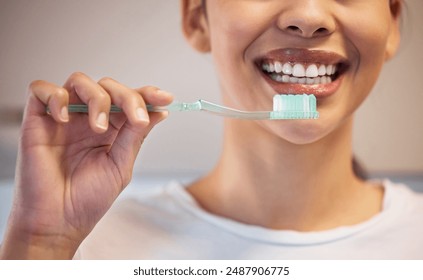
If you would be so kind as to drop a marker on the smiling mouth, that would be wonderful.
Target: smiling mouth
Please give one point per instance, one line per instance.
(300, 73)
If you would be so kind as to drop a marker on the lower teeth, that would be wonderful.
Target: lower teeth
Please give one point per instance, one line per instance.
(295, 80)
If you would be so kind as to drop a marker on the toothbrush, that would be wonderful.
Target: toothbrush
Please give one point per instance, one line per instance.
(285, 106)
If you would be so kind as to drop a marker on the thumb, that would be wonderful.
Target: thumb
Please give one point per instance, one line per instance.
(128, 142)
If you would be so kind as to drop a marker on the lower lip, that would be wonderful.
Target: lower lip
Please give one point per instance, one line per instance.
(320, 90)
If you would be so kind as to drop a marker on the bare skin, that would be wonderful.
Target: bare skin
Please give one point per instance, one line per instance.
(293, 175)
(72, 168)
(300, 188)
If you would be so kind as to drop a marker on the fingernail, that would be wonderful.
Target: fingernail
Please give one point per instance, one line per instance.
(102, 121)
(64, 114)
(142, 115)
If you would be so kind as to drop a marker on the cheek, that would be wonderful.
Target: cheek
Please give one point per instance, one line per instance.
(366, 39)
(238, 21)
(234, 28)
(367, 36)
(232, 32)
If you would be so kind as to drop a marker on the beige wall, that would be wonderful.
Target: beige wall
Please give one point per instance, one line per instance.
(138, 42)
(389, 127)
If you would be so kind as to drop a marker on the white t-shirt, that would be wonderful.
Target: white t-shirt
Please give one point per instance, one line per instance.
(168, 224)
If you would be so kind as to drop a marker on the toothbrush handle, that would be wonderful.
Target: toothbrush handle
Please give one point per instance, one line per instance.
(176, 107)
(173, 107)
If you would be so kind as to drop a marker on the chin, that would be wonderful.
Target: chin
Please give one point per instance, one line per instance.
(299, 132)
(302, 134)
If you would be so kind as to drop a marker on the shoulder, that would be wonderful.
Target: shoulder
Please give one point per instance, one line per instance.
(403, 207)
(402, 196)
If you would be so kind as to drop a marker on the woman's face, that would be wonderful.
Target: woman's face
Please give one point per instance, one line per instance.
(331, 48)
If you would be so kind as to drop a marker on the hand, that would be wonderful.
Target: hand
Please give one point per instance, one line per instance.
(71, 167)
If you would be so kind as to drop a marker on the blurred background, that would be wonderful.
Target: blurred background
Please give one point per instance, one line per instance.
(138, 42)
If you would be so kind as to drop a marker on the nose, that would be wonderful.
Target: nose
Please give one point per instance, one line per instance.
(307, 18)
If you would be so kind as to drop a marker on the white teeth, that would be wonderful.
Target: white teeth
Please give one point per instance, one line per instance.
(323, 80)
(329, 69)
(298, 73)
(287, 69)
(293, 80)
(322, 70)
(303, 80)
(279, 78)
(317, 80)
(278, 67)
(312, 71)
(333, 70)
(298, 70)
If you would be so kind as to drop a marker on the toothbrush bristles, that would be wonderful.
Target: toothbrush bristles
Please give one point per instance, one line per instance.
(294, 106)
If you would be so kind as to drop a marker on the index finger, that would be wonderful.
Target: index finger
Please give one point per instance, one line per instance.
(43, 94)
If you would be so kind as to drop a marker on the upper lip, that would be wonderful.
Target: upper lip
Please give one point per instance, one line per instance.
(305, 56)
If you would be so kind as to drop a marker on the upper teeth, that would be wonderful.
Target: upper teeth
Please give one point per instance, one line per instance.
(299, 70)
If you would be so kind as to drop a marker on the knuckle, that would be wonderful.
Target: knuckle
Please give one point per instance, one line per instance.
(60, 92)
(35, 83)
(105, 80)
(75, 76)
(31, 88)
(135, 98)
(103, 97)
(46, 90)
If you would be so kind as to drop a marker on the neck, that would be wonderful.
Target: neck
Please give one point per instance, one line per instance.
(270, 182)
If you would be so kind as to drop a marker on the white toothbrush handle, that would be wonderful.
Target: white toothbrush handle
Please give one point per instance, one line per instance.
(173, 107)
(202, 105)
